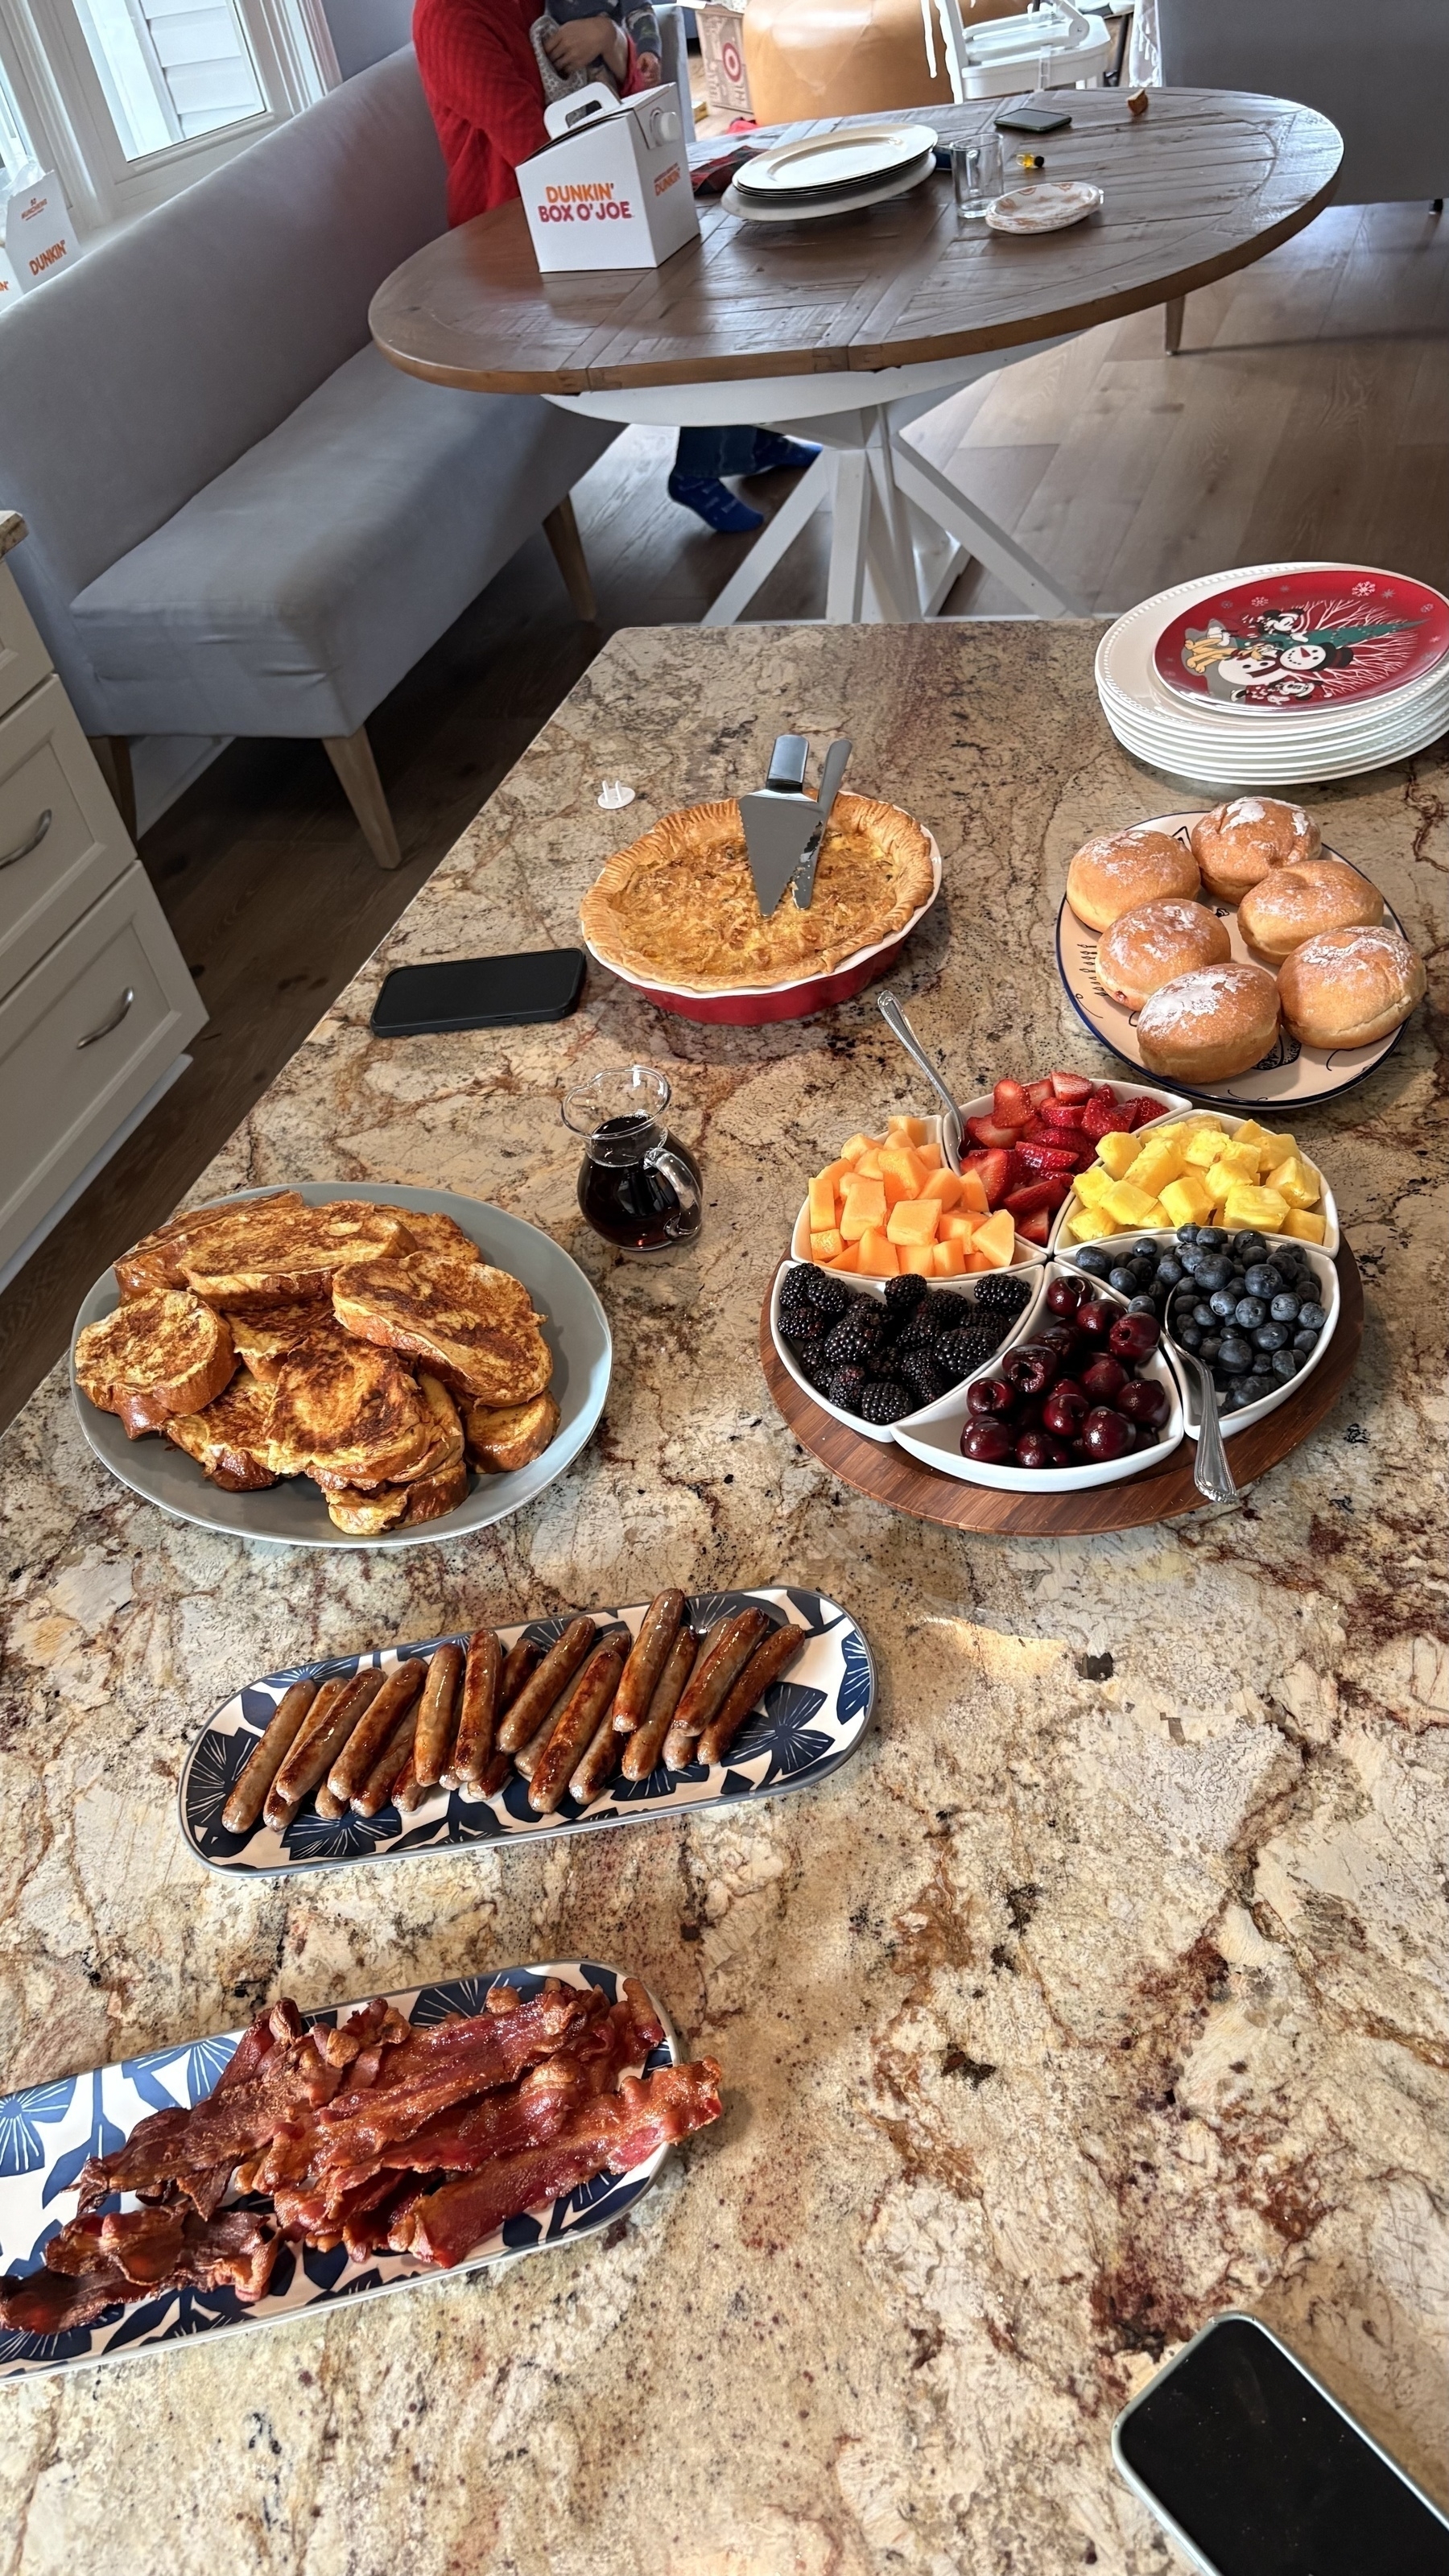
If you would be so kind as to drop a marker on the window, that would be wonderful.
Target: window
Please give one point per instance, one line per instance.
(130, 100)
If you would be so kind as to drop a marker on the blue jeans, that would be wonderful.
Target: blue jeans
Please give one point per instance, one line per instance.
(705, 454)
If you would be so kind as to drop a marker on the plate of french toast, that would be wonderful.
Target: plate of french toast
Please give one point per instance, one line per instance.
(341, 1365)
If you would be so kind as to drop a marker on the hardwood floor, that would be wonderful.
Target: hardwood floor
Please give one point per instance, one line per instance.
(1307, 413)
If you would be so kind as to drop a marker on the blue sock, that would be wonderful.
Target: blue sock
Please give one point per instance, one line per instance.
(775, 454)
(714, 502)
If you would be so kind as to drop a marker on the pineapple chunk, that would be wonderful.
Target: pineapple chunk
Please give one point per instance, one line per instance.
(950, 1260)
(913, 1221)
(1307, 1228)
(1117, 1154)
(1157, 1220)
(824, 1246)
(1250, 1133)
(1296, 1181)
(822, 1203)
(1203, 1147)
(1262, 1209)
(1092, 1185)
(1157, 1162)
(1223, 1178)
(879, 1258)
(1126, 1205)
(1090, 1223)
(1187, 1200)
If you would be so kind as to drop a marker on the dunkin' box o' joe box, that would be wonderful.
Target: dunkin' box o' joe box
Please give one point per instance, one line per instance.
(611, 190)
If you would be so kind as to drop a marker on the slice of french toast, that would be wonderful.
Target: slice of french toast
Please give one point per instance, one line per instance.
(348, 1409)
(266, 1254)
(470, 1325)
(363, 1514)
(230, 1438)
(155, 1262)
(155, 1357)
(444, 1450)
(438, 1238)
(502, 1437)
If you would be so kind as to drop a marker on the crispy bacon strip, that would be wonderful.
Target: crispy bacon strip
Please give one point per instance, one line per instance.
(611, 2133)
(97, 2261)
(51, 2303)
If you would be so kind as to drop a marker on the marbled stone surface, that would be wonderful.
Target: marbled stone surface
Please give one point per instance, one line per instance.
(1103, 1989)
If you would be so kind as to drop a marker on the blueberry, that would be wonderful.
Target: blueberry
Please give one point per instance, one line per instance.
(1286, 1364)
(1142, 1306)
(1122, 1280)
(1312, 1317)
(1187, 1234)
(1191, 1260)
(1190, 1337)
(1235, 1355)
(1094, 1261)
(1170, 1272)
(1256, 1387)
(1284, 1309)
(1214, 1272)
(1235, 1395)
(1249, 1247)
(1212, 1238)
(1144, 1250)
(1210, 1348)
(1250, 1311)
(1305, 1342)
(1270, 1337)
(1262, 1279)
(1203, 1316)
(1223, 1304)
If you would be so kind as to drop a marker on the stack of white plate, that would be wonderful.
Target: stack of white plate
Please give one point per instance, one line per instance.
(1270, 699)
(832, 174)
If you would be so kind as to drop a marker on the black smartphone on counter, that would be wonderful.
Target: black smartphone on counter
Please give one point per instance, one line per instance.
(1254, 2469)
(479, 993)
(1031, 120)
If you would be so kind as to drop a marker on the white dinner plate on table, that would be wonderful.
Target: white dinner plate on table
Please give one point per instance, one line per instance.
(1044, 206)
(816, 210)
(292, 1513)
(860, 156)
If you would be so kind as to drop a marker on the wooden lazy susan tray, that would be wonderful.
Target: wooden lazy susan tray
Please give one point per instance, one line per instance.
(890, 1476)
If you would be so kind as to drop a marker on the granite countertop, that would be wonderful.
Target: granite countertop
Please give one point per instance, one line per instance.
(1104, 1988)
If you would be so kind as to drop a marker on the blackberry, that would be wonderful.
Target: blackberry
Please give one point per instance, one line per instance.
(845, 1386)
(813, 1366)
(804, 1331)
(923, 1373)
(951, 1311)
(962, 1352)
(903, 1295)
(853, 1342)
(1007, 1295)
(797, 1314)
(828, 1295)
(885, 1400)
(921, 1332)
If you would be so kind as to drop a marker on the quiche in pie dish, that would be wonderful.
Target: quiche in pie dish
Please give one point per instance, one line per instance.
(678, 907)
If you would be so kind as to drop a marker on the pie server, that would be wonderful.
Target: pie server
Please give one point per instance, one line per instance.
(784, 826)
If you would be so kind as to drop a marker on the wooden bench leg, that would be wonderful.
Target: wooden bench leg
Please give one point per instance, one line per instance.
(562, 531)
(1172, 313)
(351, 757)
(113, 759)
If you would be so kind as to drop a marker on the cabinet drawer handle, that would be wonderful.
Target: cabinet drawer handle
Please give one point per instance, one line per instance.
(114, 1022)
(37, 836)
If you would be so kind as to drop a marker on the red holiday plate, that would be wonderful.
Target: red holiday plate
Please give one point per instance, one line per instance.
(1304, 640)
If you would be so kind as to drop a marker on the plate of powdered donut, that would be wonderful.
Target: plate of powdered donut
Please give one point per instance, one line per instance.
(1234, 955)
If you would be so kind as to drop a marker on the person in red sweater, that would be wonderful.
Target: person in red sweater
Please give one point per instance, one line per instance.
(483, 84)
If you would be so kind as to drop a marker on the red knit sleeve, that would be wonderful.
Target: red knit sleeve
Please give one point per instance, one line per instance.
(477, 61)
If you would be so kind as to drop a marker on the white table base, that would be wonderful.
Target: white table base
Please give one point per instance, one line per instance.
(901, 531)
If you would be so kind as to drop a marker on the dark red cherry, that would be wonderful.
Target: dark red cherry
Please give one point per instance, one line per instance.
(1032, 1367)
(1134, 1337)
(1107, 1434)
(1034, 1449)
(986, 1396)
(1104, 1380)
(1065, 1410)
(1096, 1318)
(1143, 1400)
(1064, 1296)
(990, 1443)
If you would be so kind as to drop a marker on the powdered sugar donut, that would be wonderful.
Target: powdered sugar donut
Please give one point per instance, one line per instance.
(1239, 841)
(1292, 904)
(1152, 943)
(1115, 870)
(1204, 1027)
(1348, 987)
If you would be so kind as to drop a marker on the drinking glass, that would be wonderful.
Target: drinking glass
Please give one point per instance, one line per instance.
(639, 1187)
(976, 175)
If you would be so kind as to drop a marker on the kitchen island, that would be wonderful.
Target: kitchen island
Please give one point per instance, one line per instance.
(1102, 1989)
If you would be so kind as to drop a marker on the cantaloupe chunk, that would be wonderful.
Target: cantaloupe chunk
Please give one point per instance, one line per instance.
(868, 1166)
(855, 1146)
(837, 1173)
(919, 1258)
(912, 1129)
(932, 1156)
(944, 1186)
(973, 1192)
(914, 1221)
(878, 1257)
(997, 1239)
(950, 1260)
(959, 1224)
(848, 1260)
(824, 1246)
(822, 1204)
(978, 1261)
(864, 1208)
(904, 1161)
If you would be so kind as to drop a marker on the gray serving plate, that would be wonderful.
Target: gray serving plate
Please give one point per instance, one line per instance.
(293, 1513)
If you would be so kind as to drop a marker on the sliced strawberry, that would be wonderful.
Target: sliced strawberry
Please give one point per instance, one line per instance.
(1010, 1105)
(1042, 1159)
(1035, 1229)
(1035, 1126)
(1038, 1092)
(993, 1170)
(1036, 1196)
(1016, 1172)
(986, 1132)
(1072, 1086)
(1143, 1110)
(1104, 1118)
(1060, 1115)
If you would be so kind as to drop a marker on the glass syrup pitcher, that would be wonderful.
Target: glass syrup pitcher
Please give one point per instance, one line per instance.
(638, 1186)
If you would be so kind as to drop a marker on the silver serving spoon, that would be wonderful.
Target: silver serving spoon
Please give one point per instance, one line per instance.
(952, 1125)
(1211, 1473)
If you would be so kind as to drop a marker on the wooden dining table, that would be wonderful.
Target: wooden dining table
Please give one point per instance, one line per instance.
(849, 331)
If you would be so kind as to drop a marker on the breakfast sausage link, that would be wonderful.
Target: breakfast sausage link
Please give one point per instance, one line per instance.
(267, 1756)
(657, 1631)
(520, 1662)
(279, 1808)
(588, 1702)
(478, 1714)
(542, 1688)
(317, 1747)
(434, 1739)
(376, 1790)
(773, 1656)
(710, 1683)
(354, 1763)
(642, 1750)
